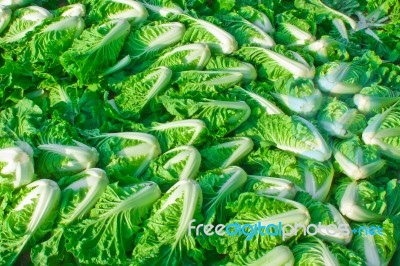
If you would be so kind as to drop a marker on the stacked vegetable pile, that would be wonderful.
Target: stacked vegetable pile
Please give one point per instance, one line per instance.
(121, 122)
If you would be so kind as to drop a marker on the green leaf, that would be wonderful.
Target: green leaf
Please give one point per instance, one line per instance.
(261, 17)
(107, 10)
(22, 121)
(299, 96)
(323, 11)
(221, 117)
(5, 15)
(219, 187)
(375, 249)
(186, 57)
(246, 33)
(73, 10)
(57, 160)
(325, 214)
(362, 201)
(179, 133)
(63, 97)
(293, 134)
(222, 79)
(327, 49)
(270, 186)
(375, 99)
(162, 8)
(277, 64)
(251, 208)
(383, 132)
(126, 155)
(149, 41)
(346, 77)
(96, 49)
(202, 31)
(16, 163)
(277, 256)
(223, 63)
(357, 160)
(135, 93)
(50, 42)
(339, 120)
(98, 238)
(312, 251)
(295, 28)
(310, 176)
(80, 194)
(165, 238)
(24, 21)
(180, 163)
(29, 218)
(225, 152)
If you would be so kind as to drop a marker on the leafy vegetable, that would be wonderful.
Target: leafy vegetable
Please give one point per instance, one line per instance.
(221, 117)
(119, 209)
(24, 21)
(299, 96)
(252, 208)
(126, 155)
(186, 57)
(274, 65)
(304, 140)
(227, 153)
(16, 163)
(180, 163)
(80, 194)
(59, 160)
(245, 32)
(324, 11)
(257, 17)
(294, 31)
(271, 186)
(382, 131)
(375, 98)
(165, 238)
(180, 132)
(55, 38)
(356, 160)
(361, 202)
(307, 175)
(106, 41)
(345, 78)
(313, 250)
(375, 249)
(338, 120)
(231, 64)
(202, 31)
(334, 226)
(268, 106)
(220, 187)
(209, 78)
(5, 17)
(137, 91)
(328, 49)
(129, 10)
(15, 3)
(148, 41)
(280, 255)
(28, 218)
(162, 7)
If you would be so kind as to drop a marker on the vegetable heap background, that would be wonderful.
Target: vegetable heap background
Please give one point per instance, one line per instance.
(122, 121)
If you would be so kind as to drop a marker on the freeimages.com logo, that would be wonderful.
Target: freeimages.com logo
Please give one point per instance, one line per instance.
(280, 230)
